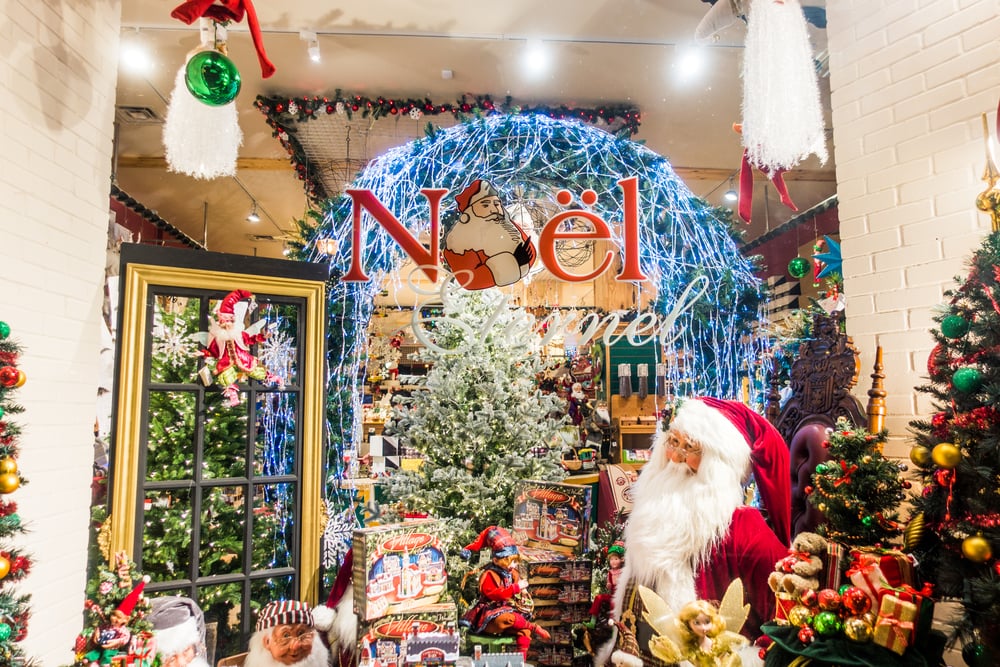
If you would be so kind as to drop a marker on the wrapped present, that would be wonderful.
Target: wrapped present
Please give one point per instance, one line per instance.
(908, 593)
(867, 575)
(895, 566)
(783, 602)
(895, 624)
(835, 562)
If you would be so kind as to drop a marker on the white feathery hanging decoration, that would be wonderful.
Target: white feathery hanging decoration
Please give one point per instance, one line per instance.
(782, 117)
(200, 140)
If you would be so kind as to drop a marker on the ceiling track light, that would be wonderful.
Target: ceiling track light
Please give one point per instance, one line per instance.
(312, 42)
(253, 217)
(731, 194)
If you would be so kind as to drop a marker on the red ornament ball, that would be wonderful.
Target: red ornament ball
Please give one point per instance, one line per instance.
(829, 599)
(808, 597)
(808, 490)
(856, 601)
(9, 376)
(807, 635)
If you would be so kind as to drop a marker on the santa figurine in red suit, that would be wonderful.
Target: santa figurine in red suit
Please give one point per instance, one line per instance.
(504, 605)
(690, 532)
(485, 247)
(337, 620)
(228, 345)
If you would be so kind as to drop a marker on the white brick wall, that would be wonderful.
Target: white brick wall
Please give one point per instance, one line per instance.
(909, 80)
(909, 149)
(58, 75)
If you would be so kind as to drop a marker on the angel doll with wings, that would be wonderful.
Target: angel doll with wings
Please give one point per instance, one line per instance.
(700, 633)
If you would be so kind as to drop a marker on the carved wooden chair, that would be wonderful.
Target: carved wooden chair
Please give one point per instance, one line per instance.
(822, 375)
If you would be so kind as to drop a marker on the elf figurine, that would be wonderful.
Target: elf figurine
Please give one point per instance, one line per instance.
(113, 635)
(504, 605)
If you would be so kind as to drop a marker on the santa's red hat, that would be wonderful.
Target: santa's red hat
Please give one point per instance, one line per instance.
(497, 538)
(227, 306)
(224, 12)
(337, 618)
(127, 606)
(731, 431)
(476, 190)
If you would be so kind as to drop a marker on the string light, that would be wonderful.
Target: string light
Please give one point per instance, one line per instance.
(680, 240)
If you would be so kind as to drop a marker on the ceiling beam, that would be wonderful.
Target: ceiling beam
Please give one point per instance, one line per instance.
(282, 164)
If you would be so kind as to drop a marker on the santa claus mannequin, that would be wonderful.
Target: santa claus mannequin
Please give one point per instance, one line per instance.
(337, 620)
(285, 636)
(690, 534)
(179, 628)
(485, 247)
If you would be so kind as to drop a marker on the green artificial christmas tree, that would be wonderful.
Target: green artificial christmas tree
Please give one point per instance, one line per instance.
(480, 425)
(14, 563)
(857, 490)
(955, 528)
(114, 614)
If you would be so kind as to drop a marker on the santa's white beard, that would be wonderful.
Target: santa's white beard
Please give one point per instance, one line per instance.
(677, 517)
(259, 656)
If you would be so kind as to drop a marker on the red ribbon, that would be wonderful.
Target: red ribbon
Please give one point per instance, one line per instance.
(745, 203)
(788, 562)
(228, 10)
(898, 629)
(846, 478)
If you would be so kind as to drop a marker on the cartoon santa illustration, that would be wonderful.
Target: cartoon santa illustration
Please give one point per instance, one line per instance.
(485, 247)
(228, 344)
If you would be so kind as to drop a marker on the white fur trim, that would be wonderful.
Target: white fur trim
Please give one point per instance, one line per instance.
(323, 617)
(623, 659)
(717, 435)
(343, 635)
(171, 641)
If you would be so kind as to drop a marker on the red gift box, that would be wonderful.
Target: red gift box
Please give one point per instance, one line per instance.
(896, 567)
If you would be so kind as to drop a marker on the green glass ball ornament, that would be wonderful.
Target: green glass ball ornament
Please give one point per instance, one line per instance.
(976, 655)
(827, 623)
(867, 521)
(821, 468)
(4, 329)
(1, 413)
(954, 326)
(5, 631)
(843, 589)
(212, 78)
(798, 267)
(967, 379)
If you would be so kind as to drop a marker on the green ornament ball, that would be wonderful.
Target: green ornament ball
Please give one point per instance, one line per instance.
(976, 655)
(1, 413)
(212, 78)
(967, 379)
(5, 631)
(821, 468)
(798, 267)
(4, 329)
(867, 521)
(954, 326)
(843, 589)
(827, 623)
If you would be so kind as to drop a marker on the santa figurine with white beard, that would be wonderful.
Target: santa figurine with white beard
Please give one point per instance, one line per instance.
(286, 636)
(690, 532)
(485, 247)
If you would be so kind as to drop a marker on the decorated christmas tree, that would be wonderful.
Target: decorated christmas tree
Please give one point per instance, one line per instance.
(14, 564)
(481, 425)
(858, 489)
(956, 518)
(114, 616)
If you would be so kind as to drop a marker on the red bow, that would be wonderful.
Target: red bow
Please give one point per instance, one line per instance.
(897, 627)
(788, 562)
(846, 478)
(228, 10)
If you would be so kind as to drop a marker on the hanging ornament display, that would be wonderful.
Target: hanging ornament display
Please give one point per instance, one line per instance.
(954, 326)
(830, 259)
(967, 379)
(977, 549)
(212, 78)
(914, 532)
(946, 455)
(920, 456)
(798, 267)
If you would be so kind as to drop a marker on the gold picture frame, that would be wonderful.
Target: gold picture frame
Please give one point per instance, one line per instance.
(138, 281)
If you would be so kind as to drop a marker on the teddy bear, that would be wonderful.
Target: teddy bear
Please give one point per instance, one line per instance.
(800, 569)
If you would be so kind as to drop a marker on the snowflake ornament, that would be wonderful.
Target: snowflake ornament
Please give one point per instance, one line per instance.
(337, 535)
(416, 114)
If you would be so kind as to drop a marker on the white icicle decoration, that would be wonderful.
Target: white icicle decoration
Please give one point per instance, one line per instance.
(782, 118)
(200, 140)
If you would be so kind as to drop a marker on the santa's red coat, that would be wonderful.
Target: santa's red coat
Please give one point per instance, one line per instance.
(749, 551)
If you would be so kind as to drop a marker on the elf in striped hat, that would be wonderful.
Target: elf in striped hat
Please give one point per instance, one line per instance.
(285, 636)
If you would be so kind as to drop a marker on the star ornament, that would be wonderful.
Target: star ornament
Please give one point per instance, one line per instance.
(831, 258)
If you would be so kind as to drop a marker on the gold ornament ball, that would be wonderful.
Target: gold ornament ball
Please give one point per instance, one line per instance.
(21, 379)
(946, 455)
(800, 615)
(921, 456)
(821, 507)
(866, 458)
(914, 532)
(977, 549)
(9, 482)
(858, 629)
(4, 566)
(8, 465)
